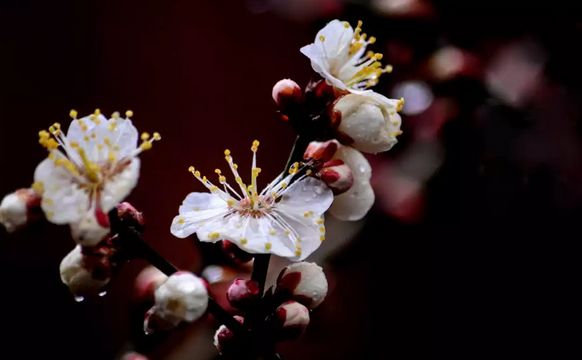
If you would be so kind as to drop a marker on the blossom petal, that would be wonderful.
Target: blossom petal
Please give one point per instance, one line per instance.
(330, 54)
(307, 195)
(118, 187)
(309, 232)
(355, 203)
(254, 235)
(63, 201)
(125, 136)
(196, 210)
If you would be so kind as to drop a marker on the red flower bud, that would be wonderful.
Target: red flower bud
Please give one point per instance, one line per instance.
(129, 214)
(291, 319)
(286, 94)
(337, 175)
(243, 293)
(321, 151)
(304, 282)
(225, 341)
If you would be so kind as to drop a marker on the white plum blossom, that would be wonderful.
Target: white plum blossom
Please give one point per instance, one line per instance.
(370, 120)
(355, 203)
(285, 218)
(182, 297)
(339, 55)
(91, 168)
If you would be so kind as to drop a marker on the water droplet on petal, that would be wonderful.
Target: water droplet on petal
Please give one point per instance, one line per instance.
(79, 298)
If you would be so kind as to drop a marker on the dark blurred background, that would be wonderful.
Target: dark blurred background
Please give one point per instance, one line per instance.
(471, 251)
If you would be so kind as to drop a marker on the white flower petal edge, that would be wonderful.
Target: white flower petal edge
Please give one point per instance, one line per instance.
(339, 55)
(91, 168)
(355, 203)
(371, 120)
(285, 219)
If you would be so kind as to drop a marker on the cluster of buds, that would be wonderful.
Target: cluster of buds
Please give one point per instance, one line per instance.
(348, 125)
(300, 287)
(86, 270)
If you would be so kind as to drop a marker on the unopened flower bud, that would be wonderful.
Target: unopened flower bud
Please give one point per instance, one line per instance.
(235, 253)
(19, 208)
(286, 93)
(321, 151)
(81, 276)
(243, 293)
(148, 280)
(370, 120)
(337, 176)
(183, 297)
(225, 341)
(291, 319)
(304, 282)
(129, 214)
(88, 231)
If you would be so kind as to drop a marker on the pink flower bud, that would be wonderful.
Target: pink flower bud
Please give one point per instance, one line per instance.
(291, 319)
(129, 214)
(235, 253)
(224, 339)
(304, 282)
(19, 208)
(321, 151)
(286, 93)
(146, 283)
(337, 176)
(81, 275)
(243, 293)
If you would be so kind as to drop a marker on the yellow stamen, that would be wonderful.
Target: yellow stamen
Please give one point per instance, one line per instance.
(38, 187)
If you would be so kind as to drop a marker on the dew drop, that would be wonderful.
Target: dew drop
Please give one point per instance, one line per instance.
(102, 293)
(79, 298)
(147, 330)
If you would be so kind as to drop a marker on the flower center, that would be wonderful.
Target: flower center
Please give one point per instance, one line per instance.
(355, 70)
(248, 201)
